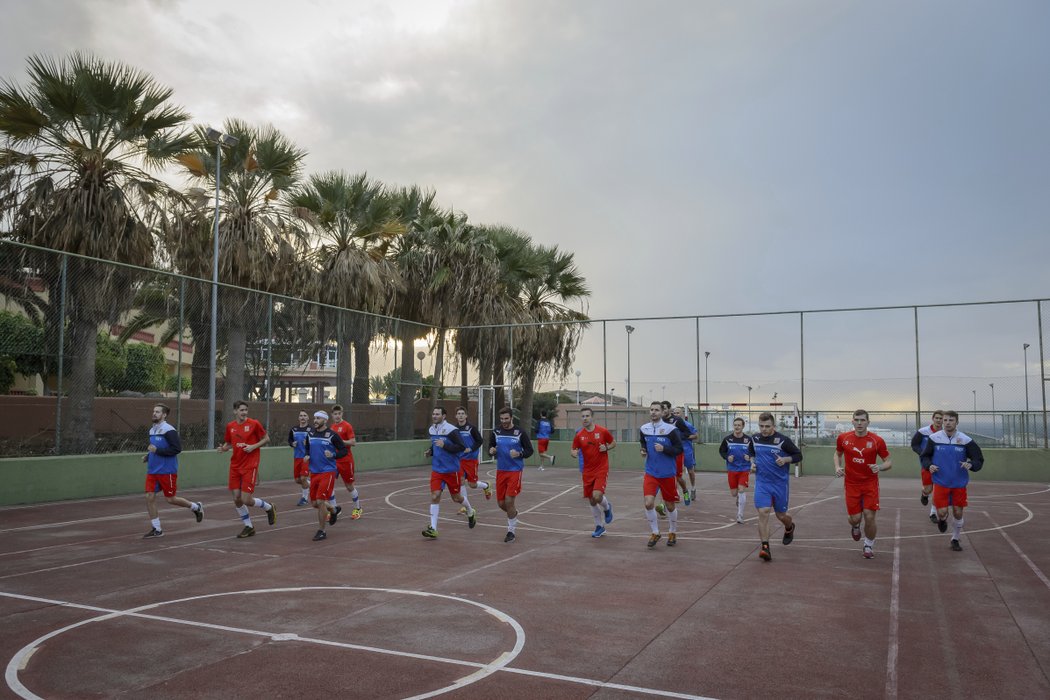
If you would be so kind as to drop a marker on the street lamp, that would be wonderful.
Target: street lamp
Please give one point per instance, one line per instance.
(663, 392)
(707, 395)
(749, 408)
(578, 387)
(995, 432)
(419, 356)
(974, 405)
(219, 139)
(630, 329)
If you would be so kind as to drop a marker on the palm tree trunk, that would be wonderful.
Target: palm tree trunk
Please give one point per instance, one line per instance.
(78, 428)
(406, 395)
(362, 345)
(343, 369)
(528, 381)
(500, 393)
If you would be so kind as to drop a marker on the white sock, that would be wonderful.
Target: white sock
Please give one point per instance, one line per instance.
(599, 515)
(243, 512)
(957, 527)
(650, 515)
(483, 485)
(466, 502)
(933, 510)
(511, 524)
(354, 497)
(672, 520)
(434, 509)
(332, 503)
(869, 543)
(156, 523)
(260, 503)
(195, 507)
(605, 505)
(306, 493)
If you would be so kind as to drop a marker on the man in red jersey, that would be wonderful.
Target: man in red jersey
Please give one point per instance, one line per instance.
(594, 442)
(245, 436)
(855, 458)
(345, 431)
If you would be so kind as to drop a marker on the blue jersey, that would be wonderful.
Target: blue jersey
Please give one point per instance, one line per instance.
(543, 429)
(581, 452)
(165, 459)
(445, 459)
(505, 440)
(948, 454)
(687, 444)
(766, 450)
(920, 438)
(660, 464)
(297, 440)
(739, 448)
(471, 441)
(321, 441)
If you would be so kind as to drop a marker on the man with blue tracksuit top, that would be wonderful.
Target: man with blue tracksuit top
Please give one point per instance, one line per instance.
(511, 447)
(446, 447)
(661, 444)
(918, 444)
(323, 448)
(951, 455)
(162, 470)
(772, 455)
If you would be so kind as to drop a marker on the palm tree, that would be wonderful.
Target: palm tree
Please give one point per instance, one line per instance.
(356, 222)
(78, 138)
(261, 246)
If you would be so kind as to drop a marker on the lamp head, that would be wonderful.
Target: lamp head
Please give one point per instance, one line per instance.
(229, 141)
(630, 329)
(213, 135)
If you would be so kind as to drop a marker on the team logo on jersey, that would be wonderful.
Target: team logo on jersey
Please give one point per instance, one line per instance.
(245, 427)
(870, 444)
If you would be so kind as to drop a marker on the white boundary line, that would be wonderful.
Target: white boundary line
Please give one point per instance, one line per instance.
(895, 606)
(1024, 557)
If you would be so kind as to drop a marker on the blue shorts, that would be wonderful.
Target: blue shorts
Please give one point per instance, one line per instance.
(771, 495)
(690, 460)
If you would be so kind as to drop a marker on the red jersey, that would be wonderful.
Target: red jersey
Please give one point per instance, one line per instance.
(589, 443)
(240, 434)
(859, 454)
(345, 431)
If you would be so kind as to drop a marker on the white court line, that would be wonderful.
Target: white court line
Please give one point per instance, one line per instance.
(938, 534)
(1024, 557)
(543, 503)
(895, 606)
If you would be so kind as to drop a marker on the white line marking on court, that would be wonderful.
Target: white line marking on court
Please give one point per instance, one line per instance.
(1028, 517)
(486, 566)
(543, 503)
(895, 606)
(1024, 557)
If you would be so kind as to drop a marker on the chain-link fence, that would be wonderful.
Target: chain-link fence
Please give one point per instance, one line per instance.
(113, 340)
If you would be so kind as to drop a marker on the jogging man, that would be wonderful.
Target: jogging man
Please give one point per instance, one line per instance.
(951, 455)
(543, 438)
(684, 432)
(772, 455)
(324, 447)
(592, 443)
(736, 451)
(661, 444)
(345, 431)
(689, 460)
(468, 459)
(918, 444)
(855, 459)
(446, 446)
(245, 436)
(300, 447)
(162, 470)
(511, 447)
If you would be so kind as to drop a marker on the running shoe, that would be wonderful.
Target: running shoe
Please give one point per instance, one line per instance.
(333, 516)
(739, 519)
(924, 499)
(320, 535)
(764, 554)
(685, 498)
(855, 533)
(956, 547)
(933, 519)
(462, 510)
(199, 513)
(488, 492)
(302, 501)
(509, 537)
(153, 532)
(553, 457)
(355, 514)
(609, 515)
(271, 515)
(472, 519)
(869, 553)
(430, 533)
(692, 495)
(942, 525)
(598, 532)
(672, 539)
(653, 539)
(248, 531)
(789, 535)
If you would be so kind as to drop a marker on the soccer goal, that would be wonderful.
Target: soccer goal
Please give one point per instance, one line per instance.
(715, 421)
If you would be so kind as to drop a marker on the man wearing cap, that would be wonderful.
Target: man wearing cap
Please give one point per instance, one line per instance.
(324, 447)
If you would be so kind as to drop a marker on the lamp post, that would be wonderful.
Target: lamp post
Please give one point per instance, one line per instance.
(219, 139)
(663, 392)
(749, 408)
(974, 405)
(630, 329)
(707, 395)
(1026, 346)
(578, 387)
(995, 432)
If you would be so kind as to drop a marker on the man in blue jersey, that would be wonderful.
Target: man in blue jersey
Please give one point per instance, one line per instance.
(445, 449)
(951, 455)
(689, 460)
(918, 444)
(162, 470)
(544, 429)
(468, 459)
(736, 451)
(772, 455)
(511, 447)
(300, 465)
(324, 447)
(661, 444)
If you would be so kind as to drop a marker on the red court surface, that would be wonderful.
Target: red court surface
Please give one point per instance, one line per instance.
(90, 609)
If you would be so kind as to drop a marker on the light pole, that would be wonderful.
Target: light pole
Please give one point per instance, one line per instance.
(578, 387)
(749, 408)
(1026, 346)
(974, 405)
(707, 395)
(995, 432)
(630, 329)
(219, 139)
(663, 392)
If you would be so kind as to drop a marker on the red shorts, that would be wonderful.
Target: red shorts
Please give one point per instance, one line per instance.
(507, 484)
(470, 470)
(449, 479)
(346, 469)
(594, 481)
(667, 487)
(162, 482)
(244, 480)
(541, 444)
(679, 464)
(739, 480)
(862, 497)
(944, 496)
(927, 477)
(322, 485)
(300, 468)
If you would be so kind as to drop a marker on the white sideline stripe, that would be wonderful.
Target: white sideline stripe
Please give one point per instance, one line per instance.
(543, 503)
(1024, 557)
(484, 669)
(895, 606)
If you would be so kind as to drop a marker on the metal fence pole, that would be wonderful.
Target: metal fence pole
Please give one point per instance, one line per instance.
(802, 377)
(398, 386)
(698, 412)
(918, 390)
(1042, 371)
(605, 374)
(62, 351)
(269, 357)
(178, 367)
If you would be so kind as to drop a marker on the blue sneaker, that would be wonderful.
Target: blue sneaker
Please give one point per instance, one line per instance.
(608, 515)
(598, 532)
(686, 498)
(302, 501)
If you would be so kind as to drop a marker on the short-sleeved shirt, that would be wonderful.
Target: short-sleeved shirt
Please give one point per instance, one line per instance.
(346, 433)
(859, 454)
(247, 433)
(589, 444)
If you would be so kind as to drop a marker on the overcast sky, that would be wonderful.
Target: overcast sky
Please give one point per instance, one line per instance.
(698, 157)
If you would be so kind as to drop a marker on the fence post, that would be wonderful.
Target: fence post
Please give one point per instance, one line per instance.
(269, 357)
(698, 412)
(802, 377)
(62, 351)
(1042, 371)
(178, 367)
(918, 390)
(605, 374)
